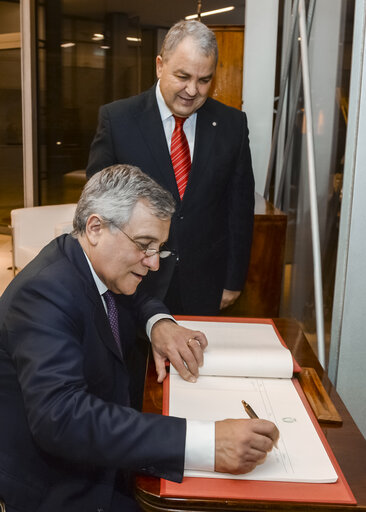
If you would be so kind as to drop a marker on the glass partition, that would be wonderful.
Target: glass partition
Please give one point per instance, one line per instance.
(90, 53)
(330, 50)
(84, 61)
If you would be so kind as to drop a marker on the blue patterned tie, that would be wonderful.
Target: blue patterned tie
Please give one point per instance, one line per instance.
(113, 316)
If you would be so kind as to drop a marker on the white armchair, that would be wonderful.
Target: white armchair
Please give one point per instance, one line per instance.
(32, 229)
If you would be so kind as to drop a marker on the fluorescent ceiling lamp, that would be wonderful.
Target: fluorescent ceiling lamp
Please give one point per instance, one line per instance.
(134, 39)
(105, 47)
(208, 13)
(67, 45)
(98, 37)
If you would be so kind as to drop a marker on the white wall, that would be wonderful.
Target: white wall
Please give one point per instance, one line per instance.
(258, 82)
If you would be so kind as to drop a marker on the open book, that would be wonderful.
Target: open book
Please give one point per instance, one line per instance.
(247, 361)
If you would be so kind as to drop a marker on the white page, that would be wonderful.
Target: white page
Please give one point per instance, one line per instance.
(300, 456)
(250, 349)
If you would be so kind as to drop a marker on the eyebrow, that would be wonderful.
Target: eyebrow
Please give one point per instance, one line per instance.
(144, 237)
(148, 239)
(182, 72)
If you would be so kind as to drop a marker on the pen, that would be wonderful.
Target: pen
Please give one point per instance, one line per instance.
(249, 410)
(253, 415)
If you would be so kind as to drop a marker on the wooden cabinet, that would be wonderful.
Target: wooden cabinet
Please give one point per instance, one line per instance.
(262, 292)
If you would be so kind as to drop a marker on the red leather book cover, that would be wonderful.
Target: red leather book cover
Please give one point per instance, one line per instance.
(337, 492)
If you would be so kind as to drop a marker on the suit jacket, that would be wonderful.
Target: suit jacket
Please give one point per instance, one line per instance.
(66, 427)
(211, 230)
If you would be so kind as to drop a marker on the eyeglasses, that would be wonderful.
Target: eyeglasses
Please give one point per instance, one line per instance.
(148, 251)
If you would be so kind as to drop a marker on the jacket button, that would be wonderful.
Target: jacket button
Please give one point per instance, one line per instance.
(181, 217)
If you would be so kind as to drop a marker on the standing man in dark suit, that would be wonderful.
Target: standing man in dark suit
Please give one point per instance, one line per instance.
(211, 230)
(68, 435)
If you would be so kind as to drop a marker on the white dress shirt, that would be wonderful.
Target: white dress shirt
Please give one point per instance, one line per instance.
(189, 126)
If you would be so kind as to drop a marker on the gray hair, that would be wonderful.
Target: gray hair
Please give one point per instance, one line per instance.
(202, 35)
(114, 192)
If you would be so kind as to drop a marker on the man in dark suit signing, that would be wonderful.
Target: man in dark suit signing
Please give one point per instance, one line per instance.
(69, 438)
(211, 230)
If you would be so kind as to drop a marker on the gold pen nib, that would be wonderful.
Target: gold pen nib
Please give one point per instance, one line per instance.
(249, 410)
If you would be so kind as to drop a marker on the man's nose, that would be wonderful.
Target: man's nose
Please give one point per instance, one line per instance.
(191, 88)
(152, 262)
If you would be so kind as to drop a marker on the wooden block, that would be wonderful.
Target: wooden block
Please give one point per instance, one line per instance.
(317, 396)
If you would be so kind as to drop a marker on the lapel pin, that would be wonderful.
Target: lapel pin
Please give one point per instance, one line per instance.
(214, 123)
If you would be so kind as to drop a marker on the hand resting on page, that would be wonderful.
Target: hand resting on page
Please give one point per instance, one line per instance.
(182, 347)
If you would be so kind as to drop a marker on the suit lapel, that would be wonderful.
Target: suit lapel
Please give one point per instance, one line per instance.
(104, 328)
(204, 142)
(152, 133)
(76, 255)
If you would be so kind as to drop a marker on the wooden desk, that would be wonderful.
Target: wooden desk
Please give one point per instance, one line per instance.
(346, 441)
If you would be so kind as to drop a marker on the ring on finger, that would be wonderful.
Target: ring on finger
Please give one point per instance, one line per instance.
(193, 339)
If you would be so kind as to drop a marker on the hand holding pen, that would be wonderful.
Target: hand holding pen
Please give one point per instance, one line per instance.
(241, 444)
(252, 414)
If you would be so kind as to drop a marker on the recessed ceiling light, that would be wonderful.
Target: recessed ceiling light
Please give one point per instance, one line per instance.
(208, 13)
(67, 45)
(98, 37)
(134, 39)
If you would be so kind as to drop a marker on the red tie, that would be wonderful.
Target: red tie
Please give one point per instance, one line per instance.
(180, 155)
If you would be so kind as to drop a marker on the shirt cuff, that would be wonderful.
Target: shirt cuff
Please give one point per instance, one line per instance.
(200, 445)
(155, 318)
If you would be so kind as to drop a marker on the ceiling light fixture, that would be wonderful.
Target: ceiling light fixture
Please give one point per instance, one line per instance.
(67, 45)
(208, 13)
(98, 37)
(134, 39)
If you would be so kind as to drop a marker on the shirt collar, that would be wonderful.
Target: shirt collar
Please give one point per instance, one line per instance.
(102, 288)
(165, 112)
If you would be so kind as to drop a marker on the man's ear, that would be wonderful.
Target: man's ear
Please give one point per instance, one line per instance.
(159, 65)
(94, 228)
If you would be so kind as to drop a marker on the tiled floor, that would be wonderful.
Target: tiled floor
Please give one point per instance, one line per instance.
(6, 272)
